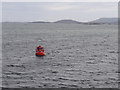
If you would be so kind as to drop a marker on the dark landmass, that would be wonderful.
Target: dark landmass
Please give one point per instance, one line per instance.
(106, 21)
(70, 21)
(40, 22)
(97, 21)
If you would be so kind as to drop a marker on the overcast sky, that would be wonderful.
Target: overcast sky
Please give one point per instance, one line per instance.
(50, 11)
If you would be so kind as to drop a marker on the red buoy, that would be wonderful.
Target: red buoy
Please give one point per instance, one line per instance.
(40, 51)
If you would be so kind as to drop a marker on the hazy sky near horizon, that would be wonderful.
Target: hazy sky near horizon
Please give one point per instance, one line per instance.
(51, 11)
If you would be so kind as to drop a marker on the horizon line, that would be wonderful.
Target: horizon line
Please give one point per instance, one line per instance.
(59, 20)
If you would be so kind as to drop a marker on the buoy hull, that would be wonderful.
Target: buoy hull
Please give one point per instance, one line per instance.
(40, 53)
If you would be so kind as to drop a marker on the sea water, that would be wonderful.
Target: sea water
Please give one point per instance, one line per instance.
(77, 55)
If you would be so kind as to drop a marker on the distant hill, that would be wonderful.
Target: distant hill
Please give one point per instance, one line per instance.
(97, 21)
(68, 21)
(106, 21)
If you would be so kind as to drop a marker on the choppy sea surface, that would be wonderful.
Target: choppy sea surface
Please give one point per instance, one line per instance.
(76, 55)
